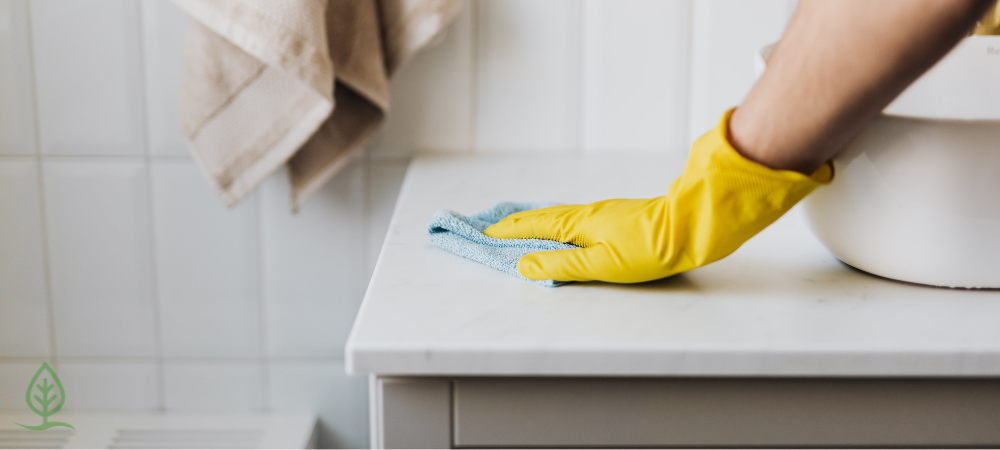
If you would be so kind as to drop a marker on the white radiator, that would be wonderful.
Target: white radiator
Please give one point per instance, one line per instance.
(99, 430)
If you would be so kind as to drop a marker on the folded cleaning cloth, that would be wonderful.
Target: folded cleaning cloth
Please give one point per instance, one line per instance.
(463, 236)
(305, 82)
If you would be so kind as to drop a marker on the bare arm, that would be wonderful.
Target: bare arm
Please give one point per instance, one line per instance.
(839, 63)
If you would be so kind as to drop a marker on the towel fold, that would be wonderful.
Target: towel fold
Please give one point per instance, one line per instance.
(301, 82)
(463, 236)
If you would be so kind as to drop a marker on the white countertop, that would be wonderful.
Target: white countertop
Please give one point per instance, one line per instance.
(779, 306)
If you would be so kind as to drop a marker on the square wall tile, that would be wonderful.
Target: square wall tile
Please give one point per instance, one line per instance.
(322, 388)
(17, 103)
(528, 68)
(163, 25)
(111, 386)
(206, 262)
(24, 311)
(88, 76)
(212, 387)
(99, 253)
(384, 183)
(14, 380)
(432, 96)
(314, 271)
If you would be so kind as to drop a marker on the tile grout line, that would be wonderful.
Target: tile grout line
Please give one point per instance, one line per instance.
(151, 222)
(108, 157)
(46, 258)
(265, 361)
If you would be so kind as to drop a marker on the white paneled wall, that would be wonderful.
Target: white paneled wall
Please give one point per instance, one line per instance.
(17, 105)
(635, 82)
(528, 75)
(86, 61)
(98, 216)
(724, 36)
(206, 261)
(119, 266)
(162, 50)
(24, 317)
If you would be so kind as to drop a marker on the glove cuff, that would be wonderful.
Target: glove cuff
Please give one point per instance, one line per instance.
(822, 175)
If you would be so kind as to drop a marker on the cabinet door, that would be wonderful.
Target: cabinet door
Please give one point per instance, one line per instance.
(725, 412)
(411, 413)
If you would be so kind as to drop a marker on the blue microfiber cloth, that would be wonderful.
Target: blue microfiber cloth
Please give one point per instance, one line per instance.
(463, 236)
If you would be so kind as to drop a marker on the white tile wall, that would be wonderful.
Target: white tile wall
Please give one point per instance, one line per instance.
(162, 51)
(88, 71)
(98, 223)
(161, 298)
(206, 261)
(313, 265)
(24, 312)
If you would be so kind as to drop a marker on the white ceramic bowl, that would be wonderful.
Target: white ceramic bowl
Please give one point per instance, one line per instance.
(916, 196)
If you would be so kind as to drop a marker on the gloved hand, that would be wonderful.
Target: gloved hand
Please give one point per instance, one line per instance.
(720, 201)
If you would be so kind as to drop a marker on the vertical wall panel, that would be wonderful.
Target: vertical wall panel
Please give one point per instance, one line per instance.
(314, 272)
(87, 69)
(163, 25)
(432, 97)
(635, 69)
(206, 261)
(98, 223)
(17, 111)
(528, 75)
(24, 320)
(725, 35)
(212, 387)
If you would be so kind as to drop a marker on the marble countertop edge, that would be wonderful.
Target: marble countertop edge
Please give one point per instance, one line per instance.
(611, 362)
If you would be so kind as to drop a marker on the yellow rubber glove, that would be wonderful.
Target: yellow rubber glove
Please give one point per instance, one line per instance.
(720, 201)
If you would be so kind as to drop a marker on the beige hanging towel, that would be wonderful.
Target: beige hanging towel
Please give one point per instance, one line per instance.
(302, 82)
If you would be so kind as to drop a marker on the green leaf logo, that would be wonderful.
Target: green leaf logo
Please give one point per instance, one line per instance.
(45, 397)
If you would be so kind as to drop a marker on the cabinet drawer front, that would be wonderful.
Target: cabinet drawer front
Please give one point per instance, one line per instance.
(540, 412)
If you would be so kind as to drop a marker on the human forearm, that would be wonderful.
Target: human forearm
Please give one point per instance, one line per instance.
(838, 65)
